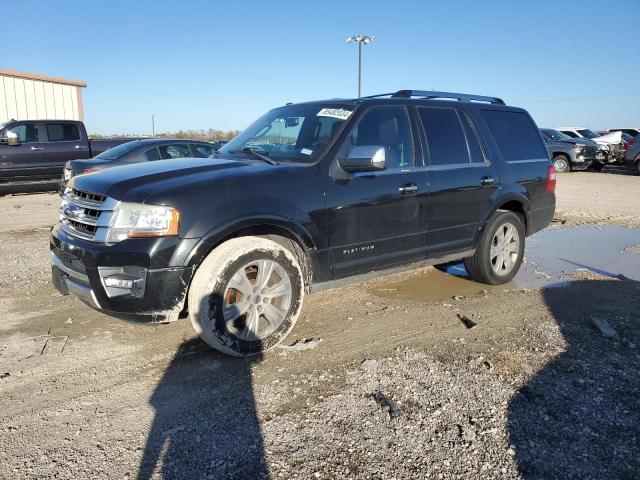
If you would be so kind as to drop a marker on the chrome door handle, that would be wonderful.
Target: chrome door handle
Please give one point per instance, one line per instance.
(80, 147)
(37, 148)
(406, 189)
(487, 181)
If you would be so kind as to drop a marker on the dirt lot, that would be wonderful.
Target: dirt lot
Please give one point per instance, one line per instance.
(545, 386)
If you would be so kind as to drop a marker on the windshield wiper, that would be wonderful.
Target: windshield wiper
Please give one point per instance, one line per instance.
(255, 153)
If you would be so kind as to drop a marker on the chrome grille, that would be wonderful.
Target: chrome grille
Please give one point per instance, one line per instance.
(86, 215)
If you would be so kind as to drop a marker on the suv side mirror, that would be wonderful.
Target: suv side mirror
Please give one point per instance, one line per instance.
(13, 139)
(365, 158)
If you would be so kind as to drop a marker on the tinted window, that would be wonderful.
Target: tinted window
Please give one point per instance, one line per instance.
(475, 152)
(569, 133)
(516, 135)
(178, 150)
(60, 132)
(445, 136)
(203, 151)
(27, 133)
(387, 127)
(153, 154)
(118, 151)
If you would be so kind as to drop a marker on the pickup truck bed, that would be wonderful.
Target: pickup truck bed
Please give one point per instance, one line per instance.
(43, 147)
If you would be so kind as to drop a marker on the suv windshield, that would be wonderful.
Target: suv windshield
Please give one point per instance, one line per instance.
(586, 133)
(555, 134)
(295, 133)
(118, 151)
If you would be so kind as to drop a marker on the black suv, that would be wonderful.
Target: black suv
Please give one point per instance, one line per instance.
(308, 196)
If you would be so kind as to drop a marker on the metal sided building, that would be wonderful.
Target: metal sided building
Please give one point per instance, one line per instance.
(29, 96)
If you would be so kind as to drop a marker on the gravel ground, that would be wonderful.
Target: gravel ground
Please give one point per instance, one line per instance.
(607, 197)
(544, 387)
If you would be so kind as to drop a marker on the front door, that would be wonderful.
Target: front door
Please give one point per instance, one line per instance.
(373, 217)
(462, 179)
(24, 161)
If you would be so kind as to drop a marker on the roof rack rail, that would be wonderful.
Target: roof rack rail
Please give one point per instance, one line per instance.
(462, 97)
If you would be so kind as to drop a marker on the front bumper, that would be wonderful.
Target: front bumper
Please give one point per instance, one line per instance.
(78, 268)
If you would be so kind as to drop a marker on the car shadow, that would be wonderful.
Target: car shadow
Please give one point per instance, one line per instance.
(579, 417)
(205, 423)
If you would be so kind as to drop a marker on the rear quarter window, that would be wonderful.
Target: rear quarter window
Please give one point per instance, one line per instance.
(516, 135)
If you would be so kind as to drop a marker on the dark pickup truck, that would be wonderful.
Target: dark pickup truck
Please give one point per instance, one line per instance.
(309, 196)
(33, 152)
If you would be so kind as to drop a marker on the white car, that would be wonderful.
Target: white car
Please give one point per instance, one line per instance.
(611, 144)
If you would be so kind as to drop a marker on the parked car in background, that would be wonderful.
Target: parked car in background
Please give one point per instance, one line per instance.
(217, 145)
(137, 151)
(632, 153)
(633, 132)
(309, 196)
(568, 153)
(33, 152)
(611, 144)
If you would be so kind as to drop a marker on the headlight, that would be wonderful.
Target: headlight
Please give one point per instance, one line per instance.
(134, 220)
(67, 174)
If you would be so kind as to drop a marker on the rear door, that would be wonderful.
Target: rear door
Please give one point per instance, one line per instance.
(64, 142)
(462, 179)
(24, 161)
(373, 217)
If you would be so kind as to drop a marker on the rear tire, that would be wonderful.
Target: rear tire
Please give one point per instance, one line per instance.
(637, 165)
(500, 250)
(597, 166)
(561, 164)
(246, 296)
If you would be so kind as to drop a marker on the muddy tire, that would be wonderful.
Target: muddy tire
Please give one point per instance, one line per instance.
(561, 164)
(246, 296)
(500, 250)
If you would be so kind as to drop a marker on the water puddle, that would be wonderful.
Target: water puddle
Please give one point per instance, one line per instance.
(552, 256)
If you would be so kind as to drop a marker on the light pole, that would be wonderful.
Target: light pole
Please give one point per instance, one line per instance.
(360, 39)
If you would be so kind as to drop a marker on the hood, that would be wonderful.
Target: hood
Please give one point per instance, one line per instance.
(611, 138)
(579, 141)
(135, 182)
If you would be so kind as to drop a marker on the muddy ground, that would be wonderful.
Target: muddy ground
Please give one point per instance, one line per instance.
(546, 385)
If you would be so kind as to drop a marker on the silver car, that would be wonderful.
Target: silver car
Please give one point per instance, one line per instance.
(632, 153)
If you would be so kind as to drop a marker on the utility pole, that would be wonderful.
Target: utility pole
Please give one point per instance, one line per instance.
(360, 39)
(153, 125)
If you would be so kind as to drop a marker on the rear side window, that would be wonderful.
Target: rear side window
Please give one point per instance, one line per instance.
(62, 132)
(152, 154)
(516, 135)
(569, 133)
(445, 136)
(202, 151)
(27, 133)
(178, 150)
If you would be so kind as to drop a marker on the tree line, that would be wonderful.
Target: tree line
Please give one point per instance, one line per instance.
(210, 135)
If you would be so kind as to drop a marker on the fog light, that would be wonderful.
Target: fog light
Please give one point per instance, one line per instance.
(119, 281)
(122, 281)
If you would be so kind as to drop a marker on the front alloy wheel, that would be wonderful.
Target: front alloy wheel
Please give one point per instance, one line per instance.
(246, 295)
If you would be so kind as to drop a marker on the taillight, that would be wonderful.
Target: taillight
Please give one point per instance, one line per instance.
(551, 179)
(629, 144)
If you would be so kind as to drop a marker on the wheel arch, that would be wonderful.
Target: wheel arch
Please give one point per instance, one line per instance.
(277, 229)
(514, 202)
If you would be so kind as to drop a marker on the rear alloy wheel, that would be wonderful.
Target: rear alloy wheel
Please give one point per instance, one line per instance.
(500, 250)
(246, 296)
(561, 164)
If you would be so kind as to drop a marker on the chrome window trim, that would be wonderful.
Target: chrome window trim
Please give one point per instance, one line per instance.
(533, 160)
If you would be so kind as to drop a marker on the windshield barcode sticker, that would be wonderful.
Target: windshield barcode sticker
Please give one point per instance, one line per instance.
(340, 113)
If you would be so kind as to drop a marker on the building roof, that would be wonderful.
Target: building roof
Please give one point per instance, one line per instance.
(42, 78)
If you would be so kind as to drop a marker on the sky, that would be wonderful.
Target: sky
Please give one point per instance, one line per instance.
(210, 64)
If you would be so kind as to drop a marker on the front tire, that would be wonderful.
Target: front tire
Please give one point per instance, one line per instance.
(246, 296)
(561, 164)
(500, 250)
